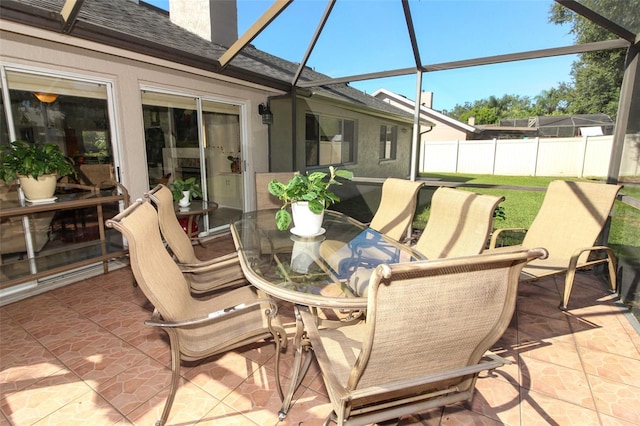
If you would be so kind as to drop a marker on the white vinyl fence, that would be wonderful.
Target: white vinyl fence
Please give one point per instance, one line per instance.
(576, 157)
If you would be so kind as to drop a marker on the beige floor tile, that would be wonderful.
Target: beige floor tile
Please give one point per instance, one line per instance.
(27, 406)
(223, 415)
(457, 415)
(612, 367)
(135, 386)
(569, 365)
(89, 409)
(497, 399)
(540, 409)
(190, 405)
(257, 397)
(221, 375)
(616, 399)
(556, 381)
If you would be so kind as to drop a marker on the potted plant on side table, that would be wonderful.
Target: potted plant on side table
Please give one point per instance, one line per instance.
(37, 167)
(308, 195)
(185, 190)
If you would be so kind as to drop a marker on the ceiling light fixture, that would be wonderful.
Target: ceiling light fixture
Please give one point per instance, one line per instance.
(47, 98)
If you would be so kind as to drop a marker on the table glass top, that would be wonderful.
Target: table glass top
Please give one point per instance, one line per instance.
(325, 270)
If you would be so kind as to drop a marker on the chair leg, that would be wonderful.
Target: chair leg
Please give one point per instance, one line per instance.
(175, 375)
(571, 273)
(611, 264)
(568, 284)
(330, 418)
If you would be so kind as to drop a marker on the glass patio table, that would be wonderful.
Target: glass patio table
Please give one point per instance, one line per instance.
(329, 270)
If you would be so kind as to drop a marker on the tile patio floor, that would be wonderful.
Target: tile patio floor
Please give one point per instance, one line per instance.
(81, 355)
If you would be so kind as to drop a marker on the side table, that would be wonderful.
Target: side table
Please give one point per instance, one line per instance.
(191, 215)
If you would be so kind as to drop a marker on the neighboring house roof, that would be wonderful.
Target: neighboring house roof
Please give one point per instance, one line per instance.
(427, 113)
(143, 28)
(576, 120)
(561, 125)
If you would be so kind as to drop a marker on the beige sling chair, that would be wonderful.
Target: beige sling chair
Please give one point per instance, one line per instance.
(459, 224)
(397, 207)
(570, 219)
(392, 218)
(264, 199)
(203, 276)
(197, 328)
(428, 327)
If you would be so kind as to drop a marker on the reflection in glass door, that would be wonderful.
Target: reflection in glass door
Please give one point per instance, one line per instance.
(72, 113)
(176, 149)
(222, 152)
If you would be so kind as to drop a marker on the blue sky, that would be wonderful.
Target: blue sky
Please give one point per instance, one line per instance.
(364, 36)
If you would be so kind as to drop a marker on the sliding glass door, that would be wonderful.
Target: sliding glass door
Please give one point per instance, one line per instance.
(193, 137)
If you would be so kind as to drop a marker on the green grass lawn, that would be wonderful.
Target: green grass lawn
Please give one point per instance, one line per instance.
(520, 207)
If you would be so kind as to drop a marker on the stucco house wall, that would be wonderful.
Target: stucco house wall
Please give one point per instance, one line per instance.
(42, 50)
(367, 162)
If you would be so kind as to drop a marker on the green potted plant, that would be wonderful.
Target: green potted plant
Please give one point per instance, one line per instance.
(235, 163)
(184, 191)
(308, 195)
(37, 167)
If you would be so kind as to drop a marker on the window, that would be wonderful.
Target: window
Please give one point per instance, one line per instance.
(70, 113)
(329, 140)
(388, 142)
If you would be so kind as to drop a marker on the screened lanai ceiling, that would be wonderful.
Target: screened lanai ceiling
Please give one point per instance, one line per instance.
(424, 31)
(423, 28)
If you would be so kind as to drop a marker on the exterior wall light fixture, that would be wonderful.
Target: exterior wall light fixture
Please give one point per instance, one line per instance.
(265, 112)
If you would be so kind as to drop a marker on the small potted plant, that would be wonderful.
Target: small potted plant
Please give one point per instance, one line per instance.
(37, 167)
(184, 191)
(308, 195)
(235, 163)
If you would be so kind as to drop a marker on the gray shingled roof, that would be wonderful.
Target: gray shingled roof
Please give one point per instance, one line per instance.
(146, 29)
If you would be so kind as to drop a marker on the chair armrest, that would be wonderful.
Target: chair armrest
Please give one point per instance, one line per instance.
(495, 234)
(573, 262)
(212, 264)
(155, 320)
(495, 361)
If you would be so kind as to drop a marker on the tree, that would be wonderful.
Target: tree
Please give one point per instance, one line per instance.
(597, 76)
(492, 110)
(554, 101)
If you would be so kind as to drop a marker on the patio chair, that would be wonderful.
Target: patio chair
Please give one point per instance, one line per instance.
(570, 219)
(203, 276)
(459, 224)
(428, 328)
(197, 328)
(264, 199)
(397, 207)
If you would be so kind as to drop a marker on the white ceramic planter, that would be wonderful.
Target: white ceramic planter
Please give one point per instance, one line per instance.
(184, 201)
(305, 222)
(41, 189)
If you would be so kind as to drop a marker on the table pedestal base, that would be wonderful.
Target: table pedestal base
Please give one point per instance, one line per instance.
(301, 362)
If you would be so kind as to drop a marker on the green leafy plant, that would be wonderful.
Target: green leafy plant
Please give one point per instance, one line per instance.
(189, 184)
(33, 159)
(312, 188)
